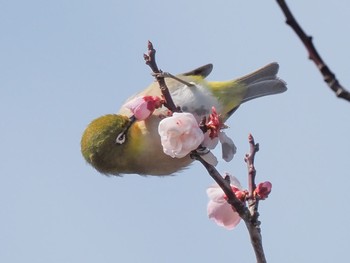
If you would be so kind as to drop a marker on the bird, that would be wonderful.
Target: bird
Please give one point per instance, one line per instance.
(140, 150)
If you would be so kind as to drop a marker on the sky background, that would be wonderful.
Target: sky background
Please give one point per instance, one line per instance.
(64, 63)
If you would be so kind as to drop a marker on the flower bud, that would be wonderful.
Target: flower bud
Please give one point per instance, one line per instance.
(263, 190)
(143, 107)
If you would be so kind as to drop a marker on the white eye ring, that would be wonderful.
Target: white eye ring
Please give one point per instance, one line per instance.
(121, 138)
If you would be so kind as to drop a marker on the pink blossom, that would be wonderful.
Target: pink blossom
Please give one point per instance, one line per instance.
(219, 210)
(263, 190)
(180, 134)
(143, 107)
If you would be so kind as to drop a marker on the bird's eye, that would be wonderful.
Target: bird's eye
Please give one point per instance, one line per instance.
(121, 138)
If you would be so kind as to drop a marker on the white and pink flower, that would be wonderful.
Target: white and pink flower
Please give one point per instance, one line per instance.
(180, 134)
(219, 210)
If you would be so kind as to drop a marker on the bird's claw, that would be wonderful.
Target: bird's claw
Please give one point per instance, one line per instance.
(162, 74)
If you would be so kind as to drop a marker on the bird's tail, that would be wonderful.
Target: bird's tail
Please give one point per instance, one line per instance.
(260, 83)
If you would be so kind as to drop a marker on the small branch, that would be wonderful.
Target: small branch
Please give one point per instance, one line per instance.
(253, 224)
(328, 76)
(253, 202)
(249, 159)
(256, 240)
(150, 60)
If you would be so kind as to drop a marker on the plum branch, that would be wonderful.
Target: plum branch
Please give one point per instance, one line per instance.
(328, 76)
(150, 59)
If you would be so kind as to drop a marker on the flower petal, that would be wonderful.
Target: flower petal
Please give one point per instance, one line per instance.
(216, 194)
(210, 158)
(228, 147)
(223, 214)
(138, 107)
(209, 142)
(234, 181)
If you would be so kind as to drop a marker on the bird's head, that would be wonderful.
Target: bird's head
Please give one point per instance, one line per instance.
(110, 143)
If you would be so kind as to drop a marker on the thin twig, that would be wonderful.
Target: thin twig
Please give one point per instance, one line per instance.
(253, 224)
(249, 159)
(150, 60)
(328, 76)
(256, 240)
(253, 203)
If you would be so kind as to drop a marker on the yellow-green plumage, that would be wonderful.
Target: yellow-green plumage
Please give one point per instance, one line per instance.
(142, 151)
(98, 143)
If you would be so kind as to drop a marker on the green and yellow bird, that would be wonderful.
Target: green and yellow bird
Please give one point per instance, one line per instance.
(141, 151)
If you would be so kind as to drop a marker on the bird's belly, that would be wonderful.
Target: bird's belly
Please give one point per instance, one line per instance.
(196, 100)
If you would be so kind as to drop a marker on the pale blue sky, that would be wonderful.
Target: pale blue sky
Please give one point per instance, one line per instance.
(64, 63)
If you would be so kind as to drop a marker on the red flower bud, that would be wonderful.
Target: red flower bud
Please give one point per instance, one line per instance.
(263, 190)
(143, 107)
